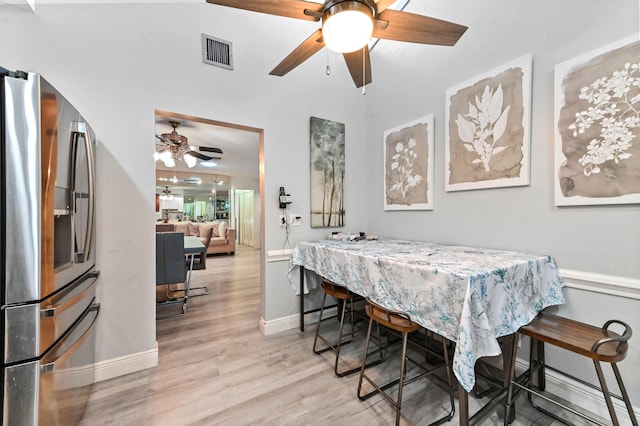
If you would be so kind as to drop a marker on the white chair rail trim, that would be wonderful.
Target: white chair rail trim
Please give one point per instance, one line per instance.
(601, 283)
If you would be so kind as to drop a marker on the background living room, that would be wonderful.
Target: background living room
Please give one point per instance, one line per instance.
(215, 185)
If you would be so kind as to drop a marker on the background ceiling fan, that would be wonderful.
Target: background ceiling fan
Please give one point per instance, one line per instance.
(174, 146)
(377, 20)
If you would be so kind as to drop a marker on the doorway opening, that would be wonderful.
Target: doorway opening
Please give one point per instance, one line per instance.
(216, 169)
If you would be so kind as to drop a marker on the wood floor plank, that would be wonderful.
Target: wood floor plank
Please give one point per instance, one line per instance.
(216, 368)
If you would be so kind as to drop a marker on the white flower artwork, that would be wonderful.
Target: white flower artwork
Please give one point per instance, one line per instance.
(487, 133)
(408, 166)
(486, 125)
(615, 111)
(403, 162)
(597, 116)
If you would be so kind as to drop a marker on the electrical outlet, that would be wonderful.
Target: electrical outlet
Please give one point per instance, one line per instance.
(294, 219)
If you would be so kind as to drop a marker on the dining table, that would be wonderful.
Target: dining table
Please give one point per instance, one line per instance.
(471, 296)
(192, 246)
(173, 265)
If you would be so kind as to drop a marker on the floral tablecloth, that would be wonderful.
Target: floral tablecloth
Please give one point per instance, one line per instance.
(468, 295)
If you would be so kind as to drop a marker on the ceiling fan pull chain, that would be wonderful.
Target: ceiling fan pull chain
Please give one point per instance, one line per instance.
(364, 76)
(328, 70)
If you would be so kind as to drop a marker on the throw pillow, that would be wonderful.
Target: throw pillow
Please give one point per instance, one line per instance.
(222, 229)
(194, 230)
(182, 227)
(204, 228)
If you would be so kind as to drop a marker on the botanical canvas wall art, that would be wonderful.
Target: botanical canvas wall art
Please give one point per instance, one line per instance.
(327, 173)
(408, 166)
(597, 124)
(487, 129)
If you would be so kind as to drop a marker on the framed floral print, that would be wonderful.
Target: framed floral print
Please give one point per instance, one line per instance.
(408, 166)
(488, 129)
(597, 126)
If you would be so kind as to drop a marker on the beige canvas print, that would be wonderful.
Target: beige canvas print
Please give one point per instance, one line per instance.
(487, 133)
(597, 124)
(408, 166)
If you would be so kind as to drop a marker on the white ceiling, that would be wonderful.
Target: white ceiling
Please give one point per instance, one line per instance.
(240, 146)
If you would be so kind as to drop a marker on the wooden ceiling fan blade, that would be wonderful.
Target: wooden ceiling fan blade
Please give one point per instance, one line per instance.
(288, 8)
(210, 149)
(166, 140)
(304, 51)
(200, 156)
(354, 62)
(383, 4)
(405, 26)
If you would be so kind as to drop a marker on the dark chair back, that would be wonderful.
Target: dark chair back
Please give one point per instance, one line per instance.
(170, 267)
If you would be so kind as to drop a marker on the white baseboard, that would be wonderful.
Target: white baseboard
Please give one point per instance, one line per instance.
(585, 397)
(292, 321)
(104, 370)
(116, 367)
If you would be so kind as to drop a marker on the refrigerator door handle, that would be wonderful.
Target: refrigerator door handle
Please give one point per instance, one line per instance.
(80, 129)
(59, 303)
(48, 366)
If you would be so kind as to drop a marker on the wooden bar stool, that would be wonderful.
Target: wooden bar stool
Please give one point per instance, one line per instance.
(342, 295)
(599, 344)
(402, 323)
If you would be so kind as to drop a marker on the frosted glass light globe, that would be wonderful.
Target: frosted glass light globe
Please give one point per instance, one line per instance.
(347, 27)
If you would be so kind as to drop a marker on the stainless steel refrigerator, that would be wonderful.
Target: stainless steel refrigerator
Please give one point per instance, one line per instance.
(48, 278)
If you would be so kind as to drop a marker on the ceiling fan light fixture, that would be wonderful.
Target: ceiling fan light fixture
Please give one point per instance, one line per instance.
(174, 136)
(166, 194)
(191, 161)
(174, 147)
(166, 157)
(347, 26)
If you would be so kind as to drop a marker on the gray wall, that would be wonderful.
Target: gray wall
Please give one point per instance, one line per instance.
(410, 81)
(596, 239)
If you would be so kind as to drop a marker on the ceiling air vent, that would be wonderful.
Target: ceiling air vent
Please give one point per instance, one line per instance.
(217, 52)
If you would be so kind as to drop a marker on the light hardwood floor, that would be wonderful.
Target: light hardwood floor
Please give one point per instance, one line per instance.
(216, 368)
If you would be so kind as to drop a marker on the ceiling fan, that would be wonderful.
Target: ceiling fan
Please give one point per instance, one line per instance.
(166, 194)
(341, 18)
(174, 146)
